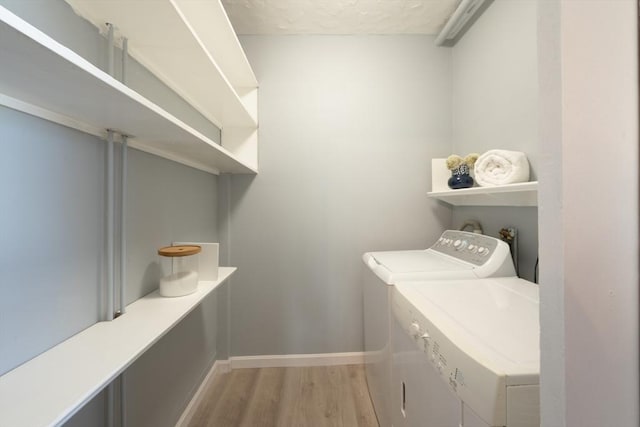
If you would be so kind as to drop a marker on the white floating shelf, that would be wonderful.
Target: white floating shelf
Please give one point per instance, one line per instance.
(51, 388)
(523, 194)
(42, 77)
(188, 44)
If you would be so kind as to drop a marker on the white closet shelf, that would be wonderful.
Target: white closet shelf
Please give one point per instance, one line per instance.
(191, 46)
(44, 78)
(50, 388)
(521, 194)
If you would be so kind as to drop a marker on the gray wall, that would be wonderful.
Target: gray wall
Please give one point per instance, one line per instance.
(163, 380)
(348, 127)
(495, 105)
(51, 223)
(167, 202)
(53, 178)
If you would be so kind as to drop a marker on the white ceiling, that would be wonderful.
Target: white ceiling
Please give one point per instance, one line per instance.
(338, 16)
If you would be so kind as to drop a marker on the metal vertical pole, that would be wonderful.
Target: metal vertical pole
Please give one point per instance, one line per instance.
(123, 223)
(125, 59)
(110, 404)
(123, 399)
(110, 227)
(110, 66)
(110, 391)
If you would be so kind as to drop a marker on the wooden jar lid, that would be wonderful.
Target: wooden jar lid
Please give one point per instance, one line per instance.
(183, 250)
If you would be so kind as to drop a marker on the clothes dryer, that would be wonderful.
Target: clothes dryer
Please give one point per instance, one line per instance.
(466, 353)
(455, 255)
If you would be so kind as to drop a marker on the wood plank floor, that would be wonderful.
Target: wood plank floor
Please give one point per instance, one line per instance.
(335, 396)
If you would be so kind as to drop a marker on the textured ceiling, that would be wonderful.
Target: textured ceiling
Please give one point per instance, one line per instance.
(338, 16)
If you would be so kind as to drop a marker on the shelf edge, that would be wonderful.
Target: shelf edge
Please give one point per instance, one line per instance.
(14, 385)
(507, 195)
(509, 188)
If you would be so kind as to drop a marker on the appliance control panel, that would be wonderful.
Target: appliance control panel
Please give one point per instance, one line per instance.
(476, 249)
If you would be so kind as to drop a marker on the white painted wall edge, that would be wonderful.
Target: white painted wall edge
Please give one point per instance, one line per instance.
(296, 360)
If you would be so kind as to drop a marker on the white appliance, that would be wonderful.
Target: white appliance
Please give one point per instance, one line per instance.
(455, 255)
(466, 353)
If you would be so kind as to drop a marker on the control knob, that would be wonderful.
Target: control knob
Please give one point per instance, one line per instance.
(425, 340)
(460, 244)
(415, 329)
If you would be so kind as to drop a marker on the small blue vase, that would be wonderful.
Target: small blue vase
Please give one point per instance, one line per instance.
(460, 178)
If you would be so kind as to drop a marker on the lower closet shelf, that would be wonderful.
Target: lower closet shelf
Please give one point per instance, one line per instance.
(49, 389)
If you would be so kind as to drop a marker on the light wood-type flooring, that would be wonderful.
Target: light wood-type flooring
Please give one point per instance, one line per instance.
(334, 396)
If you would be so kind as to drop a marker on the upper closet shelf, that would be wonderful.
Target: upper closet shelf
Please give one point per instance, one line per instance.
(191, 46)
(52, 387)
(43, 77)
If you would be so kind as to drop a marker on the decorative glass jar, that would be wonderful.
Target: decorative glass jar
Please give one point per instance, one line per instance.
(460, 178)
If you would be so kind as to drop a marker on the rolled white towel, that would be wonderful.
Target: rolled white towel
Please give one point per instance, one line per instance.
(500, 167)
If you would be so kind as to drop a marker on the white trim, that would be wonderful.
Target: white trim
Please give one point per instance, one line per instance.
(297, 360)
(219, 367)
(149, 148)
(61, 119)
(43, 113)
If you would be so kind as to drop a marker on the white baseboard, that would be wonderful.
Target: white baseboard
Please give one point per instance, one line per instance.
(219, 367)
(297, 360)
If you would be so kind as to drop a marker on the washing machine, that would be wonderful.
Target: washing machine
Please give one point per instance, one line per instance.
(455, 255)
(466, 353)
